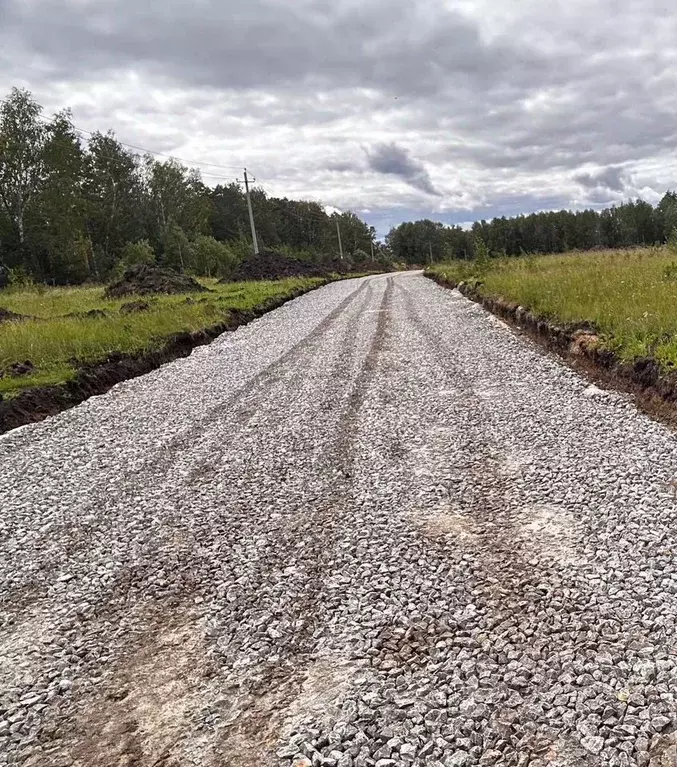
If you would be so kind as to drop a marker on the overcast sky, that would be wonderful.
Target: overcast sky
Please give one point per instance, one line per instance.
(397, 109)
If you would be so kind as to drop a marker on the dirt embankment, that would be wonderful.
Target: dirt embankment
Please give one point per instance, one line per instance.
(7, 316)
(655, 390)
(37, 404)
(144, 279)
(271, 265)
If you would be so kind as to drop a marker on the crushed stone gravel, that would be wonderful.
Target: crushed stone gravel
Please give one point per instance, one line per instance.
(374, 528)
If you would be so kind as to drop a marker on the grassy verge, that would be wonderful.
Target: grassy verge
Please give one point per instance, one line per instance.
(629, 297)
(57, 345)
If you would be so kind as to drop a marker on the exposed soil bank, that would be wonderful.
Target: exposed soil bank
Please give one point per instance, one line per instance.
(270, 265)
(654, 390)
(41, 402)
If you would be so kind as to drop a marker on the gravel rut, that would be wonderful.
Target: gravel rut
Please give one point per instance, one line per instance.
(372, 528)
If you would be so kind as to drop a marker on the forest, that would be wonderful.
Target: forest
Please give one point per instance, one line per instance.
(632, 224)
(77, 208)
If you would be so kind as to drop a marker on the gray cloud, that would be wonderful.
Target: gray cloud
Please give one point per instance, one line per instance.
(264, 43)
(342, 167)
(612, 178)
(513, 103)
(394, 160)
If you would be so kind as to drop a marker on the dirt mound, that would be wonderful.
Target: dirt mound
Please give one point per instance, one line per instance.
(21, 368)
(7, 316)
(338, 265)
(270, 265)
(144, 279)
(93, 314)
(367, 266)
(134, 307)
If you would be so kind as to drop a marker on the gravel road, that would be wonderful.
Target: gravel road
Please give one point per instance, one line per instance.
(374, 527)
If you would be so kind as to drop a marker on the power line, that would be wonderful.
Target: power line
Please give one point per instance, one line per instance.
(218, 177)
(308, 214)
(162, 154)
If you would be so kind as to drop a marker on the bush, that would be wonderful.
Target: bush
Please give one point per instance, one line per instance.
(140, 252)
(298, 253)
(670, 272)
(242, 248)
(19, 279)
(672, 240)
(212, 258)
(178, 252)
(482, 256)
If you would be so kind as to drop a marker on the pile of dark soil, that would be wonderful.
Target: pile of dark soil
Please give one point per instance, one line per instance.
(367, 266)
(21, 368)
(270, 265)
(17, 369)
(144, 279)
(7, 316)
(339, 265)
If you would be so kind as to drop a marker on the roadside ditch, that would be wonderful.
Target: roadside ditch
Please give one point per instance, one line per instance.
(653, 389)
(36, 404)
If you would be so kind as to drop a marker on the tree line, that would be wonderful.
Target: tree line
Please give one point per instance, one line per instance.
(633, 223)
(74, 210)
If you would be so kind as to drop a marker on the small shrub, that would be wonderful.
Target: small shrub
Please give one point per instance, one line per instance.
(242, 248)
(19, 279)
(212, 258)
(178, 252)
(482, 260)
(672, 240)
(670, 272)
(140, 252)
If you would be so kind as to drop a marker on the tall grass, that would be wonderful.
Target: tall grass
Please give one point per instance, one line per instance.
(56, 344)
(629, 296)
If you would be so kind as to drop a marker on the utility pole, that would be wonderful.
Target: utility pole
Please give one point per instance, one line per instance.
(371, 242)
(338, 232)
(251, 214)
(430, 250)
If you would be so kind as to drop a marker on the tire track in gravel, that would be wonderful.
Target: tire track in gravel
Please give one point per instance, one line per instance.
(132, 481)
(26, 593)
(467, 669)
(291, 653)
(269, 701)
(335, 455)
(515, 581)
(491, 503)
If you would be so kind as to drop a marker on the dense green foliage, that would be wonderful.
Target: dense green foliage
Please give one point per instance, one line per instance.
(634, 223)
(630, 297)
(73, 211)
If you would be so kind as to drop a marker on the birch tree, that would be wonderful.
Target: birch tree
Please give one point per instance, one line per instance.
(23, 137)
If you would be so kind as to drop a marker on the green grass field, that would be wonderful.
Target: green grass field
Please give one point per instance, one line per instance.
(629, 296)
(56, 344)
